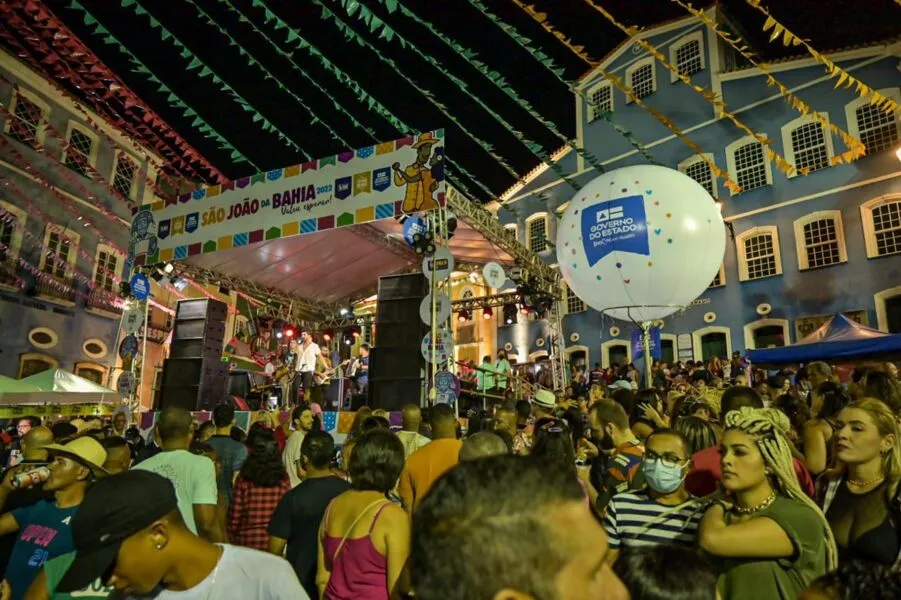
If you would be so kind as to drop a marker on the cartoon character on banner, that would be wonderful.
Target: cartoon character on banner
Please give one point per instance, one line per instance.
(646, 237)
(143, 229)
(418, 177)
(447, 388)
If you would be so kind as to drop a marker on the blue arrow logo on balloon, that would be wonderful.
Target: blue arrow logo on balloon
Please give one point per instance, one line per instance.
(617, 224)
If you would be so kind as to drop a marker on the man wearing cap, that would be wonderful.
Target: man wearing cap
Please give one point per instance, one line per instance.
(144, 549)
(545, 403)
(44, 527)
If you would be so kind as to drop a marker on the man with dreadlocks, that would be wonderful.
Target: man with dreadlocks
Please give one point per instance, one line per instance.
(771, 541)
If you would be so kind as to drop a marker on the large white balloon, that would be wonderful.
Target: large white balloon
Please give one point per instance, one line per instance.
(643, 236)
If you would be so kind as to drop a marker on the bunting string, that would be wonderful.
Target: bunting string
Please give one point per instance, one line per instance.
(845, 79)
(377, 25)
(855, 147)
(709, 95)
(558, 72)
(98, 83)
(660, 117)
(576, 49)
(172, 98)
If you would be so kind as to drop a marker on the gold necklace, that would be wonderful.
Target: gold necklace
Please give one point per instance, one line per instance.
(765, 504)
(863, 484)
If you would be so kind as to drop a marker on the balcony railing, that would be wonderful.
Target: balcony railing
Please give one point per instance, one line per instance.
(9, 271)
(55, 287)
(102, 300)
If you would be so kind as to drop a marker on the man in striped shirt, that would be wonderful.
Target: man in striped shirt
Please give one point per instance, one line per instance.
(662, 512)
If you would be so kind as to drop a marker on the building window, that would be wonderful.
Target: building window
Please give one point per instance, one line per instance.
(748, 164)
(512, 231)
(687, 54)
(125, 172)
(807, 144)
(27, 122)
(90, 371)
(95, 348)
(820, 240)
(711, 341)
(574, 304)
(12, 223)
(767, 333)
(32, 363)
(536, 226)
(642, 78)
(758, 254)
(43, 338)
(699, 169)
(877, 129)
(720, 279)
(106, 267)
(81, 155)
(62, 249)
(882, 225)
(600, 101)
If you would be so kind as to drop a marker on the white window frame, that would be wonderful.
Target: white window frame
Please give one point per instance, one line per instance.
(742, 259)
(41, 132)
(134, 182)
(751, 327)
(696, 36)
(120, 262)
(566, 294)
(15, 242)
(91, 366)
(570, 350)
(592, 112)
(851, 108)
(547, 229)
(74, 241)
(789, 149)
(869, 228)
(730, 161)
(800, 246)
(705, 158)
(722, 274)
(514, 227)
(698, 334)
(26, 356)
(637, 65)
(879, 299)
(95, 144)
(562, 208)
(670, 337)
(605, 351)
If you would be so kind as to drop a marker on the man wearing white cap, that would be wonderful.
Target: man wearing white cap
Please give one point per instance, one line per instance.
(44, 531)
(545, 402)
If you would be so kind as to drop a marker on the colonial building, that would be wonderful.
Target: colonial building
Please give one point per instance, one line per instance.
(799, 248)
(67, 180)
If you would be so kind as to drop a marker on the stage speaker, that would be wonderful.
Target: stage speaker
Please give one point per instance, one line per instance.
(194, 376)
(395, 363)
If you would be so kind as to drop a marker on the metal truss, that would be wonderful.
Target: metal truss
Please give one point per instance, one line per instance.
(287, 305)
(490, 227)
(477, 302)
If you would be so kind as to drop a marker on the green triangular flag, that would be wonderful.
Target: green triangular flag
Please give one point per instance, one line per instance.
(205, 71)
(195, 62)
(127, 3)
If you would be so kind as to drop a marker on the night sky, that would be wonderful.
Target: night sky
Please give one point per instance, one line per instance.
(828, 25)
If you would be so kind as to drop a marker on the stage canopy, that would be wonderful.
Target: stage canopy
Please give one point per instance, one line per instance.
(56, 386)
(839, 338)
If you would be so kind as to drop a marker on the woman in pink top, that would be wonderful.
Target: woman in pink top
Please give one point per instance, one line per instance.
(364, 538)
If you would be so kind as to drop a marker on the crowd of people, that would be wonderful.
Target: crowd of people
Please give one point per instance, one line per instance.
(733, 484)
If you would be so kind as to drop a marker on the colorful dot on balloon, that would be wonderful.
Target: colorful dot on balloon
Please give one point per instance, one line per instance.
(636, 183)
(619, 265)
(648, 192)
(669, 215)
(598, 277)
(576, 211)
(612, 183)
(656, 203)
(566, 243)
(669, 240)
(573, 226)
(658, 231)
(627, 281)
(650, 263)
(574, 251)
(574, 265)
(624, 190)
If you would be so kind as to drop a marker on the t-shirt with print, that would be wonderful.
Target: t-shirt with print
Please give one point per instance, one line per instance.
(44, 534)
(622, 472)
(231, 455)
(54, 571)
(784, 578)
(241, 573)
(192, 475)
(297, 519)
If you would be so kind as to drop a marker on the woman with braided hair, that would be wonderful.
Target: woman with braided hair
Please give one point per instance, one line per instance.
(861, 497)
(768, 538)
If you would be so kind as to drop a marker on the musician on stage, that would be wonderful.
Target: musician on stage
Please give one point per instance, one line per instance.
(309, 357)
(362, 369)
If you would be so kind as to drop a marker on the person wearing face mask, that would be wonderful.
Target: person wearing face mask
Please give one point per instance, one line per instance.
(621, 452)
(663, 512)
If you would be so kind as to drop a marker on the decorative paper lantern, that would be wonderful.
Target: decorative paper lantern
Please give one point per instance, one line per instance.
(646, 237)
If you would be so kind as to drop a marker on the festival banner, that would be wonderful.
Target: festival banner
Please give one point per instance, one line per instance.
(376, 182)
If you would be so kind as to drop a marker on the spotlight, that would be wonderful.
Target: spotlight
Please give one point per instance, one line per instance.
(278, 335)
(464, 315)
(524, 309)
(179, 283)
(289, 331)
(487, 312)
(327, 335)
(124, 289)
(345, 311)
(424, 243)
(168, 268)
(451, 224)
(509, 314)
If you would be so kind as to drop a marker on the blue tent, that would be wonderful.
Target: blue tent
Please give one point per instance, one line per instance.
(839, 338)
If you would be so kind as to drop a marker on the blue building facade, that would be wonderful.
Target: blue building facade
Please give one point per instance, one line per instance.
(65, 184)
(799, 248)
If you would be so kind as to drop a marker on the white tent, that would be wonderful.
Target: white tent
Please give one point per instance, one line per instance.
(56, 386)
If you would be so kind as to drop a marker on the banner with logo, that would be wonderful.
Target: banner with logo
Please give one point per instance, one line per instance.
(376, 182)
(638, 344)
(618, 224)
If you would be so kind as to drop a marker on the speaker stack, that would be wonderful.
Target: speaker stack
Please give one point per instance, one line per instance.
(396, 364)
(194, 376)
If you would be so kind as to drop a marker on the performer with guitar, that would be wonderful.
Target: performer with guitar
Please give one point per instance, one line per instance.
(309, 359)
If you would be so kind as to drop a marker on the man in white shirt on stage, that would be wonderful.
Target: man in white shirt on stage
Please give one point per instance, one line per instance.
(308, 354)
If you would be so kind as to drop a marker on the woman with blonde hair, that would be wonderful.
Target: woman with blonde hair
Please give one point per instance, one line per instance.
(768, 539)
(860, 497)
